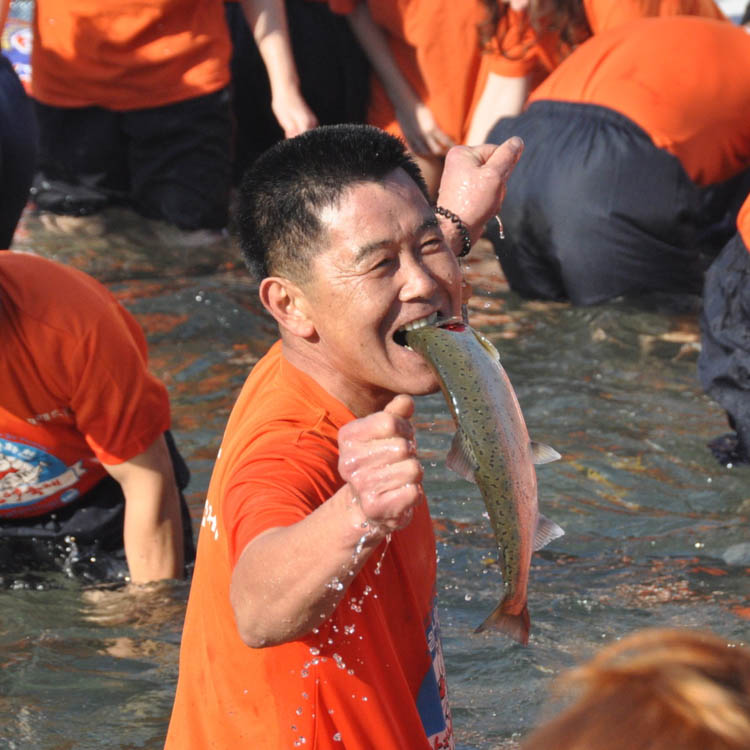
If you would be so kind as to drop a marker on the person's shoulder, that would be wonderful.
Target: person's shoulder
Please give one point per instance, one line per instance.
(43, 287)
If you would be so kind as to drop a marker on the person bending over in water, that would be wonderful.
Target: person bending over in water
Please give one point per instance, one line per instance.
(620, 191)
(311, 617)
(659, 689)
(523, 41)
(89, 475)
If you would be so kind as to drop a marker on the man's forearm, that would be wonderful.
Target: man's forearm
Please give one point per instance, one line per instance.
(152, 533)
(290, 579)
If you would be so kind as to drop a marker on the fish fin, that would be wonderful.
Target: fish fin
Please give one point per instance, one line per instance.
(517, 626)
(546, 531)
(461, 457)
(487, 344)
(543, 454)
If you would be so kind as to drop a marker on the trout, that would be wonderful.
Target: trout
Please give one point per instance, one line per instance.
(492, 448)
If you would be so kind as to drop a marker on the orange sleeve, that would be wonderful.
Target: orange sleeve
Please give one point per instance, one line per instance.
(342, 7)
(120, 407)
(743, 222)
(278, 486)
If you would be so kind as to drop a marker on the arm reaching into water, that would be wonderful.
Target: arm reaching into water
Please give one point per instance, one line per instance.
(281, 585)
(152, 531)
(421, 131)
(473, 185)
(267, 19)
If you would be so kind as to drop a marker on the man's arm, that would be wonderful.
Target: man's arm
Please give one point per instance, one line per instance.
(153, 523)
(268, 22)
(473, 185)
(289, 580)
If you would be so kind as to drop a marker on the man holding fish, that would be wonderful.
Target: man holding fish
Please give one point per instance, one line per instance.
(311, 618)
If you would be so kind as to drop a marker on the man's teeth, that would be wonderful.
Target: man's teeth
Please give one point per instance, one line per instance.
(421, 323)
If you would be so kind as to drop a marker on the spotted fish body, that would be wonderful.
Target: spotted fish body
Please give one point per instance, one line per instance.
(492, 448)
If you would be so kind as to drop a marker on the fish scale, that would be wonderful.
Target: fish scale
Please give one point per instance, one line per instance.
(493, 449)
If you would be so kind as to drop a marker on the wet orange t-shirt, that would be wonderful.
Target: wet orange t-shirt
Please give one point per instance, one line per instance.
(123, 56)
(435, 45)
(682, 79)
(372, 675)
(518, 49)
(75, 389)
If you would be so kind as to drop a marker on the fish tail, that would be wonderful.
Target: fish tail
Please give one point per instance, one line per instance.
(517, 625)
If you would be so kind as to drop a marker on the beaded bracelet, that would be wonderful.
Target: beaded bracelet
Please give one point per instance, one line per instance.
(462, 228)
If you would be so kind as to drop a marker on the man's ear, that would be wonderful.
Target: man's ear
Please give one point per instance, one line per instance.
(286, 301)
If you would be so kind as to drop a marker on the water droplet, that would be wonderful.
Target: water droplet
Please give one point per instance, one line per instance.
(337, 737)
(299, 711)
(467, 597)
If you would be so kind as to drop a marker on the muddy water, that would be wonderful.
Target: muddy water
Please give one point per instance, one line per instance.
(649, 514)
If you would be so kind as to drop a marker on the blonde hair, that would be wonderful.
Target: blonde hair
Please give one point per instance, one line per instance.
(658, 689)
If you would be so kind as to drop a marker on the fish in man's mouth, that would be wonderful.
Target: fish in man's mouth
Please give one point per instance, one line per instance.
(491, 448)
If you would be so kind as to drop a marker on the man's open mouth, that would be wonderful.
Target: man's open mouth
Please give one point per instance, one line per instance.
(400, 336)
(453, 323)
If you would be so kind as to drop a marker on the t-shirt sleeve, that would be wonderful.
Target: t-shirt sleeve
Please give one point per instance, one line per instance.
(342, 7)
(278, 488)
(119, 406)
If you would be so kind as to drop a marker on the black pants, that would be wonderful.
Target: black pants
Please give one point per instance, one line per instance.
(18, 139)
(595, 210)
(170, 163)
(333, 72)
(724, 361)
(84, 539)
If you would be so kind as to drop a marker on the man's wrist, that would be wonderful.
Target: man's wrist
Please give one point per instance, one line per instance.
(459, 227)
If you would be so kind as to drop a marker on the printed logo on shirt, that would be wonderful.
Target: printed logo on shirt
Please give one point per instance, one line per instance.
(432, 700)
(30, 476)
(209, 519)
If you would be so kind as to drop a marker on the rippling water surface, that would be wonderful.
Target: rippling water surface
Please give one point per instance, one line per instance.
(648, 513)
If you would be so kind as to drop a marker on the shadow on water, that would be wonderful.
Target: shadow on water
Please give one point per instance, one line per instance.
(649, 515)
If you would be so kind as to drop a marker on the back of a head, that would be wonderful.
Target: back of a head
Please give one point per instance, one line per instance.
(286, 188)
(657, 689)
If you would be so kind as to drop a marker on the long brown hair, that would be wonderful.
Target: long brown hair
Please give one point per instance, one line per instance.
(657, 689)
(567, 17)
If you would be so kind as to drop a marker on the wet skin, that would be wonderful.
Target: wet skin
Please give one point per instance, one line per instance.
(386, 264)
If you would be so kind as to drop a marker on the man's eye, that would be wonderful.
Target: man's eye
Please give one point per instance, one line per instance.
(433, 245)
(382, 263)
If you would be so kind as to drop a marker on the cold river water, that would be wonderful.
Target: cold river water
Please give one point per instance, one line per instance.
(654, 525)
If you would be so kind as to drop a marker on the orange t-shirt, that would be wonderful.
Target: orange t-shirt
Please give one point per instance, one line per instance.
(743, 222)
(517, 49)
(678, 78)
(436, 47)
(122, 56)
(74, 385)
(372, 675)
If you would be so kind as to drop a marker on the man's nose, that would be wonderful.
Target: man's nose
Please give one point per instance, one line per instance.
(419, 280)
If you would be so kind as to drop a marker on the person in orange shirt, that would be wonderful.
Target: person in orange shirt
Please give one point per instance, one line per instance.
(133, 106)
(303, 68)
(424, 56)
(637, 159)
(724, 361)
(90, 478)
(525, 40)
(18, 143)
(311, 619)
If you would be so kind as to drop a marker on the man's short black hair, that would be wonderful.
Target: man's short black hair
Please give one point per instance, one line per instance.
(286, 188)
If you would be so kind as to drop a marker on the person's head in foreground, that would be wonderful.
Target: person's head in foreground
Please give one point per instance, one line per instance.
(336, 226)
(660, 689)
